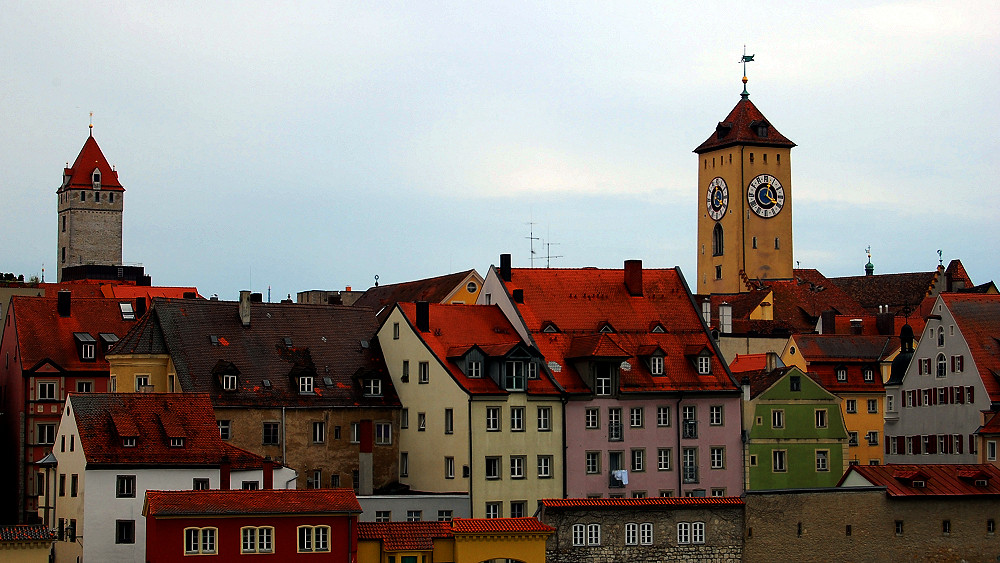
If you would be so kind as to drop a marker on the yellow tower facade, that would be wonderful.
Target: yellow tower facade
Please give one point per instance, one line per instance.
(744, 203)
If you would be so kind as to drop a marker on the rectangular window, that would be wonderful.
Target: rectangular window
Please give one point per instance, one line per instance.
(517, 419)
(514, 377)
(777, 418)
(579, 535)
(449, 421)
(718, 454)
(383, 434)
(593, 418)
(656, 365)
(225, 429)
(820, 418)
(257, 540)
(46, 434)
(125, 486)
(873, 406)
(125, 531)
(200, 484)
(778, 461)
(698, 528)
(395, 331)
(544, 466)
(593, 534)
(494, 509)
(314, 538)
(405, 376)
(635, 417)
(683, 532)
(414, 515)
(404, 464)
(615, 430)
(663, 456)
(690, 461)
(872, 437)
(899, 527)
(638, 460)
(663, 416)
(404, 419)
(355, 432)
(593, 462)
(544, 419)
(421, 422)
(319, 432)
(517, 467)
(270, 434)
(475, 369)
(372, 387)
(715, 417)
(493, 467)
(425, 373)
(199, 541)
(449, 468)
(305, 384)
(991, 450)
(84, 386)
(46, 391)
(517, 508)
(852, 438)
(631, 534)
(493, 419)
(704, 365)
(850, 406)
(822, 460)
(445, 515)
(62, 484)
(74, 485)
(602, 381)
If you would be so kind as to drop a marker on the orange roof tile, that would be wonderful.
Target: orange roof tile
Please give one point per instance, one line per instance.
(217, 502)
(498, 525)
(748, 362)
(91, 157)
(405, 536)
(26, 532)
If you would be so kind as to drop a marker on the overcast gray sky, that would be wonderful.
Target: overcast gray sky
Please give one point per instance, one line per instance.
(316, 145)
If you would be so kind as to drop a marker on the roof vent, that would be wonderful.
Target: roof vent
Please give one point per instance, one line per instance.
(328, 381)
(266, 383)
(364, 344)
(214, 339)
(288, 341)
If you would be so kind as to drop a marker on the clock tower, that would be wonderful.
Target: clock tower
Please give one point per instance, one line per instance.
(744, 202)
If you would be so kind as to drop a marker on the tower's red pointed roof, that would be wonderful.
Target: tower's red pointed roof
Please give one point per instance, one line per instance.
(740, 128)
(91, 157)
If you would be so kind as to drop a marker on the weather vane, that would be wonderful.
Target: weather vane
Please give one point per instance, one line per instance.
(868, 251)
(745, 59)
(91, 124)
(940, 259)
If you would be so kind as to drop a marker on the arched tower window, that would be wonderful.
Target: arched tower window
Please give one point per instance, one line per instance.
(717, 246)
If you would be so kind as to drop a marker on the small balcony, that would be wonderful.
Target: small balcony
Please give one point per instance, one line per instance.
(690, 429)
(616, 432)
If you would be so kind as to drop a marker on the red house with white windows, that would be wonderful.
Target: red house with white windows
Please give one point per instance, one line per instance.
(264, 525)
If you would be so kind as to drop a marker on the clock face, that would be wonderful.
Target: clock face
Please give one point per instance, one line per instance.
(718, 198)
(765, 195)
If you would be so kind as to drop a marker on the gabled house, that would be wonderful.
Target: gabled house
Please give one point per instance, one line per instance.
(480, 414)
(457, 288)
(989, 436)
(303, 384)
(933, 410)
(651, 409)
(853, 367)
(904, 293)
(51, 347)
(796, 436)
(463, 540)
(113, 447)
(261, 525)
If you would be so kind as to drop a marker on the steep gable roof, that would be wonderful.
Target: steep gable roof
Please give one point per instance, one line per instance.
(825, 353)
(579, 300)
(898, 291)
(259, 502)
(91, 157)
(978, 318)
(327, 341)
(938, 479)
(432, 290)
(45, 336)
(103, 418)
(738, 129)
(455, 328)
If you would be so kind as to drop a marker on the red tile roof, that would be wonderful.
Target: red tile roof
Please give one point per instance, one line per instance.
(978, 318)
(824, 353)
(992, 425)
(455, 328)
(578, 301)
(736, 129)
(648, 502)
(43, 335)
(216, 502)
(420, 536)
(748, 362)
(91, 157)
(25, 533)
(939, 479)
(103, 419)
(432, 290)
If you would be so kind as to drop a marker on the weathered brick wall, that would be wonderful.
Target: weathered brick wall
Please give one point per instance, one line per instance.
(93, 233)
(773, 519)
(723, 535)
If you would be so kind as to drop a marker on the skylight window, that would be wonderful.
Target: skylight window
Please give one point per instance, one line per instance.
(128, 313)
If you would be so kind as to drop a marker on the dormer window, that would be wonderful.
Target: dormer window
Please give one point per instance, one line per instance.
(87, 345)
(704, 364)
(305, 384)
(550, 328)
(95, 178)
(841, 373)
(108, 340)
(372, 387)
(982, 482)
(658, 329)
(656, 365)
(761, 130)
(514, 377)
(919, 484)
(869, 375)
(128, 441)
(128, 313)
(532, 370)
(475, 369)
(606, 328)
(177, 442)
(229, 382)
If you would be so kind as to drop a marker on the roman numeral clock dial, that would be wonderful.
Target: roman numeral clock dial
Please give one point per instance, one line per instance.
(718, 198)
(765, 195)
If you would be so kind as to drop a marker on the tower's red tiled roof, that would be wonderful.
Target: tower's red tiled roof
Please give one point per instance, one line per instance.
(648, 502)
(992, 425)
(103, 419)
(978, 318)
(938, 479)
(737, 129)
(91, 157)
(45, 336)
(579, 301)
(455, 328)
(217, 502)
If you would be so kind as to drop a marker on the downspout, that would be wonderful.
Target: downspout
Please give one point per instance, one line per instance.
(284, 442)
(743, 214)
(680, 455)
(469, 430)
(564, 400)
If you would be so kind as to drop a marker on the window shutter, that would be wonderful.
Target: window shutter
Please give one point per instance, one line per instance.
(900, 445)
(972, 394)
(933, 396)
(920, 397)
(961, 363)
(886, 442)
(960, 443)
(932, 444)
(953, 364)
(916, 445)
(972, 443)
(960, 395)
(951, 395)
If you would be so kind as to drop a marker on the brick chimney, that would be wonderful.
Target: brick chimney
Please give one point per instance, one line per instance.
(423, 316)
(365, 460)
(505, 267)
(225, 470)
(245, 308)
(268, 470)
(633, 277)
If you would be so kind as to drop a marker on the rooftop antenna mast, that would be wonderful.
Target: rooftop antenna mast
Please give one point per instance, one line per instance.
(548, 253)
(531, 242)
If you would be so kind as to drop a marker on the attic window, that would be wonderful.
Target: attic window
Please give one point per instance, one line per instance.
(475, 369)
(658, 329)
(288, 342)
(704, 364)
(95, 177)
(761, 129)
(86, 344)
(982, 482)
(328, 381)
(372, 387)
(128, 313)
(919, 484)
(656, 365)
(214, 339)
(108, 340)
(305, 384)
(128, 441)
(532, 370)
(841, 373)
(795, 383)
(606, 328)
(229, 382)
(550, 328)
(177, 442)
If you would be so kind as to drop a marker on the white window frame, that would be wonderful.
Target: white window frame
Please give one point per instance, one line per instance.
(592, 418)
(305, 384)
(424, 372)
(544, 419)
(492, 467)
(717, 454)
(373, 387)
(47, 390)
(823, 460)
(663, 416)
(383, 434)
(821, 418)
(663, 456)
(635, 416)
(579, 535)
(544, 463)
(517, 419)
(593, 534)
(319, 432)
(850, 406)
(228, 382)
(704, 364)
(716, 415)
(777, 418)
(517, 463)
(493, 419)
(656, 365)
(646, 533)
(631, 533)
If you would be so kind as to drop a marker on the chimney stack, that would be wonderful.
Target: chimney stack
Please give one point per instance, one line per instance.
(365, 461)
(63, 299)
(423, 316)
(518, 295)
(268, 470)
(225, 470)
(771, 361)
(633, 277)
(505, 267)
(245, 308)
(140, 307)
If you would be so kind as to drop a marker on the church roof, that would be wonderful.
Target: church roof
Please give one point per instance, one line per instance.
(740, 128)
(91, 157)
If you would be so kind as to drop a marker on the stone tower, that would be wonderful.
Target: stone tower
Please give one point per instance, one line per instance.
(744, 202)
(90, 211)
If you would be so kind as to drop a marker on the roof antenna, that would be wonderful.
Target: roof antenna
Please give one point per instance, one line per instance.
(532, 238)
(745, 59)
(91, 124)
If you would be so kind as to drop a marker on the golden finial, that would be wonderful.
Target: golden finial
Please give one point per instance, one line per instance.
(91, 124)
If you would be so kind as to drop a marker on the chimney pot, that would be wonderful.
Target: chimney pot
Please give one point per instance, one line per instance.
(505, 267)
(225, 470)
(140, 307)
(423, 316)
(268, 470)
